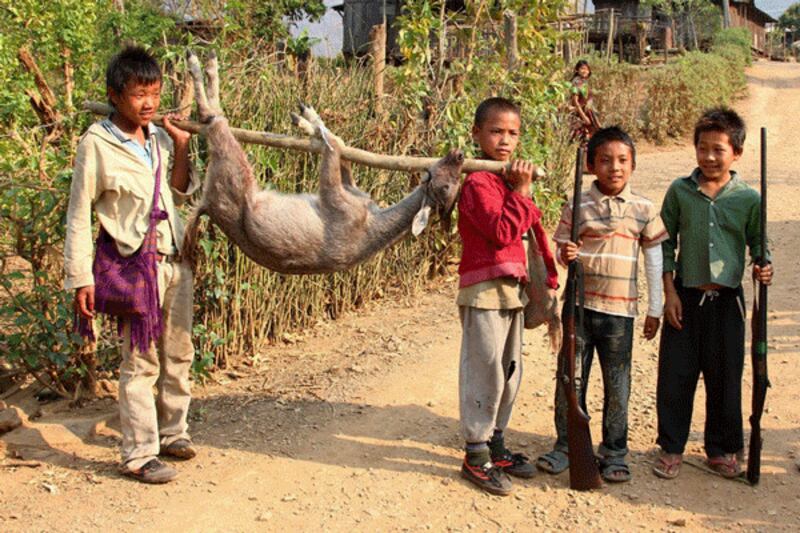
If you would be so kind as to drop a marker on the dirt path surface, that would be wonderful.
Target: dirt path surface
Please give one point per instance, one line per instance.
(354, 426)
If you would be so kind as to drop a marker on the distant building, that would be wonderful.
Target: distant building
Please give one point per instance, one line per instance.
(632, 14)
(745, 14)
(359, 16)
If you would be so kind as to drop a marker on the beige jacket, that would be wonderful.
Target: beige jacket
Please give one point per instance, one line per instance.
(118, 184)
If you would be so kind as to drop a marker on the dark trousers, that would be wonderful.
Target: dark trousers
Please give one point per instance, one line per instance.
(612, 337)
(711, 342)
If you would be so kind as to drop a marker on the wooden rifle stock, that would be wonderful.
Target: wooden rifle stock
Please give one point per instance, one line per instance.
(758, 344)
(583, 471)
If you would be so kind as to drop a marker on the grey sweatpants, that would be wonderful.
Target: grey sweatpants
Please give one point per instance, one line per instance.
(490, 370)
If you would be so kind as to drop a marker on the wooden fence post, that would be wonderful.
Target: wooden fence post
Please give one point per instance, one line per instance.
(510, 27)
(377, 39)
(610, 40)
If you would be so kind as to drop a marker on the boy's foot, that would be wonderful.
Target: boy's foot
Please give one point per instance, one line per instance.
(489, 477)
(515, 464)
(181, 449)
(725, 465)
(553, 462)
(154, 471)
(615, 470)
(668, 465)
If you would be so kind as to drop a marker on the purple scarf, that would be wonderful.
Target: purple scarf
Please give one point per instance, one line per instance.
(127, 287)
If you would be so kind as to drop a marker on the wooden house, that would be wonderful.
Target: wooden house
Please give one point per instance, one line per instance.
(745, 14)
(633, 18)
(359, 16)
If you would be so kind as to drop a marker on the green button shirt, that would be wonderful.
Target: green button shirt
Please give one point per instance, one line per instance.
(712, 232)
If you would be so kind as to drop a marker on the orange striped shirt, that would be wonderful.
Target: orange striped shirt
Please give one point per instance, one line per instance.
(613, 229)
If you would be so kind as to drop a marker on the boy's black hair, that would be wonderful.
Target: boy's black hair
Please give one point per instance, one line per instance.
(723, 120)
(491, 105)
(135, 64)
(582, 63)
(607, 135)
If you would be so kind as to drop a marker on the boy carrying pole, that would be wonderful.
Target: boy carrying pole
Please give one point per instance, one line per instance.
(495, 212)
(132, 174)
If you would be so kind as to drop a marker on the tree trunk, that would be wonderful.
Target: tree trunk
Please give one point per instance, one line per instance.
(510, 32)
(377, 38)
(726, 14)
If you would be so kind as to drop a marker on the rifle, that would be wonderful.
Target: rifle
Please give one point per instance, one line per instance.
(583, 471)
(758, 344)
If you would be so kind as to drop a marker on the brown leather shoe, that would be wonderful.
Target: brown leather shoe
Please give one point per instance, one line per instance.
(154, 471)
(180, 449)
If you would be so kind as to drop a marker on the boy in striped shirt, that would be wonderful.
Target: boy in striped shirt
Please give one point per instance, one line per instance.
(614, 224)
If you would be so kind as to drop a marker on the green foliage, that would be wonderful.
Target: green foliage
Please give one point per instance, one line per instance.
(36, 162)
(447, 89)
(790, 19)
(700, 19)
(734, 44)
(300, 46)
(264, 21)
(664, 101)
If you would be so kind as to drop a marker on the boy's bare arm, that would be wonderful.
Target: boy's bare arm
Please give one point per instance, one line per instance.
(673, 310)
(180, 162)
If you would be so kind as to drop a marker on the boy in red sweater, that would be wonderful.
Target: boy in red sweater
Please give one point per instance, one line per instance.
(495, 213)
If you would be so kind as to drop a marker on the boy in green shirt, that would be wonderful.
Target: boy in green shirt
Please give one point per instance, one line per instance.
(711, 216)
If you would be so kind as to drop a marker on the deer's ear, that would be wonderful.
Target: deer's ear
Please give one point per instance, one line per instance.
(421, 218)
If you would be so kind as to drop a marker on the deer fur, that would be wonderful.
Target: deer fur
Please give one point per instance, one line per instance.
(303, 233)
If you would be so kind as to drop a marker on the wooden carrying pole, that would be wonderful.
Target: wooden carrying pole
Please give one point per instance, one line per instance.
(356, 155)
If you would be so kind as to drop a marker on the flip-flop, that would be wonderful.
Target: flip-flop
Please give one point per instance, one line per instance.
(668, 465)
(725, 465)
(553, 462)
(615, 472)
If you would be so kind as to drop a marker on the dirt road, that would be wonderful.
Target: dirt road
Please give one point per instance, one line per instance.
(355, 425)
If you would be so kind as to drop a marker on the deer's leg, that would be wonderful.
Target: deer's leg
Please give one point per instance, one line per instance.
(347, 176)
(203, 107)
(212, 79)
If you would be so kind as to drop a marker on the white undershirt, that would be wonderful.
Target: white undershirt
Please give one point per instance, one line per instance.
(653, 264)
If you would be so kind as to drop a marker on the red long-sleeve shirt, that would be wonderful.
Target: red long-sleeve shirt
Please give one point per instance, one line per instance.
(492, 220)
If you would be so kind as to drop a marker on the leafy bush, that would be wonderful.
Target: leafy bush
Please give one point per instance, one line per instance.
(663, 101)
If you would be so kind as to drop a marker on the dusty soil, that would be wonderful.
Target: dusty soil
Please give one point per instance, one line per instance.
(354, 426)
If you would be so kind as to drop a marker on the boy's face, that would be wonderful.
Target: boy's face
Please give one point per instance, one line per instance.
(498, 135)
(715, 155)
(613, 165)
(137, 103)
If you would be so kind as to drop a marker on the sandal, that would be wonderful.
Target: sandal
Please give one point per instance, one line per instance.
(615, 471)
(553, 462)
(668, 465)
(725, 465)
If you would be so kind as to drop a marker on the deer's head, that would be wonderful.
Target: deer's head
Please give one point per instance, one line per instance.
(441, 185)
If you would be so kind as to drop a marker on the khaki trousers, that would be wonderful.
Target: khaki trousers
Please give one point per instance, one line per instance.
(147, 421)
(490, 370)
